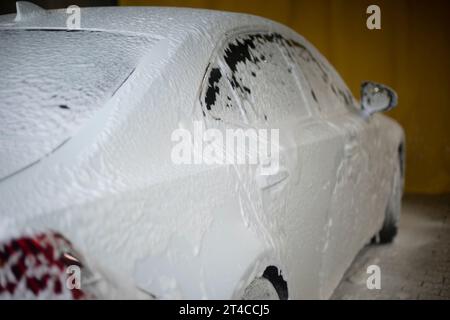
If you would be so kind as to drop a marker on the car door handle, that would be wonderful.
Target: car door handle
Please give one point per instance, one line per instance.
(267, 181)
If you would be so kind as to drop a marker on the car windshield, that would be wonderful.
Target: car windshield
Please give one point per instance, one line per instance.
(52, 81)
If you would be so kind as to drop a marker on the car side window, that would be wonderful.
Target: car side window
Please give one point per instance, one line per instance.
(264, 87)
(327, 89)
(217, 98)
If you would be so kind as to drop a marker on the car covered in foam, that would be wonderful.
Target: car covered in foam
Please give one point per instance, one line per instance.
(87, 176)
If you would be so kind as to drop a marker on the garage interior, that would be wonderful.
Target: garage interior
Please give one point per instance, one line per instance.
(410, 54)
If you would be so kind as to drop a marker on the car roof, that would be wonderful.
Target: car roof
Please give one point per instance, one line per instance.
(155, 22)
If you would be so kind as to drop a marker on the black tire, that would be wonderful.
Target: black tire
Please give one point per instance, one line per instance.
(392, 216)
(271, 286)
(387, 233)
(260, 289)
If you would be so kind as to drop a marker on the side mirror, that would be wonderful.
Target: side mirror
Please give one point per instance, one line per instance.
(376, 97)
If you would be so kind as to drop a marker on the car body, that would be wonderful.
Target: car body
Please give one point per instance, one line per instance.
(87, 142)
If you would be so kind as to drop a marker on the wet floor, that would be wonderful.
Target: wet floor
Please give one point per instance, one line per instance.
(416, 265)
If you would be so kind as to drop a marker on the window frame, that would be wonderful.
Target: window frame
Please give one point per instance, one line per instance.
(216, 60)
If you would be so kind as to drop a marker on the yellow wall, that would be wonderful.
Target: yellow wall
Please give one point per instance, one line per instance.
(411, 53)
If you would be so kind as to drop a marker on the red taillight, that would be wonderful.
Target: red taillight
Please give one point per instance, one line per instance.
(37, 266)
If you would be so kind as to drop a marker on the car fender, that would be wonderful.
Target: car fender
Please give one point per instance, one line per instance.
(229, 257)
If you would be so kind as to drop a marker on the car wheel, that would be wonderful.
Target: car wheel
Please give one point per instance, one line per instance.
(393, 209)
(260, 289)
(270, 286)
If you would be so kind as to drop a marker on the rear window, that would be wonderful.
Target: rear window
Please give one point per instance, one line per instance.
(52, 81)
(53, 78)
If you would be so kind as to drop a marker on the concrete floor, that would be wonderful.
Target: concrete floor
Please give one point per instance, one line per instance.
(416, 265)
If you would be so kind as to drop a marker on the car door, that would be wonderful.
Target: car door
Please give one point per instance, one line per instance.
(353, 193)
(290, 205)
